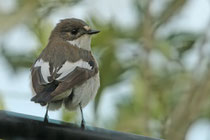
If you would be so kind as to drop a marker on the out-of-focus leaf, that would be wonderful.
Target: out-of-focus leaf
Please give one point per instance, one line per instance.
(170, 10)
(17, 61)
(109, 66)
(1, 103)
(42, 31)
(183, 41)
(165, 48)
(67, 115)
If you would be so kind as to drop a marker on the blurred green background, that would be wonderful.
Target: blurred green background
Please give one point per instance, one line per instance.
(153, 58)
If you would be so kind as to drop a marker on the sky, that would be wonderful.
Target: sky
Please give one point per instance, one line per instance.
(16, 88)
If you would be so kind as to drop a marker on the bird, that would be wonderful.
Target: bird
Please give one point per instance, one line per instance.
(66, 72)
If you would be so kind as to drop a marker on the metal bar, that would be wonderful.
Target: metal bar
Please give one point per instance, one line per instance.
(21, 126)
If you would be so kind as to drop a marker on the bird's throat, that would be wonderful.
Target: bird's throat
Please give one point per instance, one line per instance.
(83, 42)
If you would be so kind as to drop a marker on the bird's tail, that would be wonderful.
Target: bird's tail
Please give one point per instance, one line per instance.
(45, 97)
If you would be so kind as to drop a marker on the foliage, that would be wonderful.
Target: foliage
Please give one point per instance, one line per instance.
(1, 103)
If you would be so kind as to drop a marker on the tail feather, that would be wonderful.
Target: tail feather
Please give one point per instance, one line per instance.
(40, 98)
(45, 97)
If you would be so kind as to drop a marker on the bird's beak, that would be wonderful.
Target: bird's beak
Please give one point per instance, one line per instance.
(91, 32)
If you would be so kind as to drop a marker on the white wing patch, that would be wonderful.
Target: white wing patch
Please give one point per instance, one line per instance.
(68, 67)
(45, 69)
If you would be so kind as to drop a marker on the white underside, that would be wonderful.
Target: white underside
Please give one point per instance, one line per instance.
(82, 94)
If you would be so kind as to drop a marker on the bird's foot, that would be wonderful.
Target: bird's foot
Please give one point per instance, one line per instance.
(46, 119)
(83, 124)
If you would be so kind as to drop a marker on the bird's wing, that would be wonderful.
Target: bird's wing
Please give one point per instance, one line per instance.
(42, 80)
(49, 81)
(75, 78)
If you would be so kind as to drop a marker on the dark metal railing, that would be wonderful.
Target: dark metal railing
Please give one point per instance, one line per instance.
(26, 127)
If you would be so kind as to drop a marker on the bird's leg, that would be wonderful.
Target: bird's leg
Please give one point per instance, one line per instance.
(46, 114)
(83, 121)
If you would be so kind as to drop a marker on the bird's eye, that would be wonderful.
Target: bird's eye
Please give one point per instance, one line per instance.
(74, 32)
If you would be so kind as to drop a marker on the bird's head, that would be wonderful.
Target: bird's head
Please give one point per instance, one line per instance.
(75, 31)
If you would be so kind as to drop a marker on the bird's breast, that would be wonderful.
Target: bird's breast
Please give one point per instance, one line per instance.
(83, 93)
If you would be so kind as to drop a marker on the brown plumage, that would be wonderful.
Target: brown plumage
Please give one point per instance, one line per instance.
(65, 65)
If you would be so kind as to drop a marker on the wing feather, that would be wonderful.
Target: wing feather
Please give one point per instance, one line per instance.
(75, 78)
(70, 75)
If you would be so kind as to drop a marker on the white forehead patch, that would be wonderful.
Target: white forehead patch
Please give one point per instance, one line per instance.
(87, 28)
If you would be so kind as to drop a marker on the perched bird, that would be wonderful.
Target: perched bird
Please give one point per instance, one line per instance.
(66, 72)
